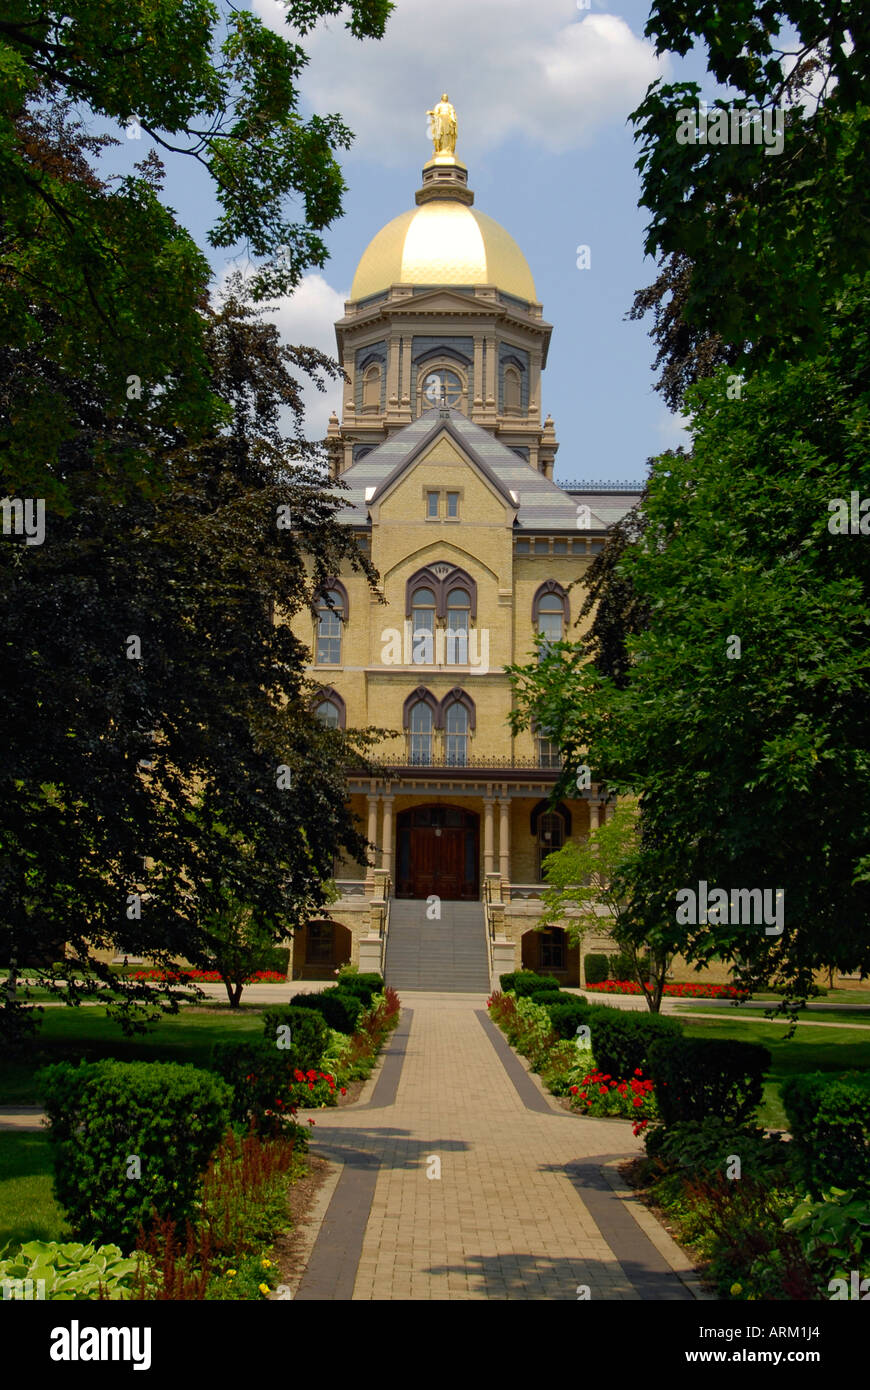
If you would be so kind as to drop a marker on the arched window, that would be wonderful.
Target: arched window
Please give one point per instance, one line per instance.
(423, 627)
(513, 391)
(550, 612)
(371, 392)
(440, 386)
(420, 727)
(551, 836)
(456, 735)
(458, 619)
(328, 714)
(329, 708)
(330, 617)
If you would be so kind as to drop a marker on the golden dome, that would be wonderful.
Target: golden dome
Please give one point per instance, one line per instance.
(443, 242)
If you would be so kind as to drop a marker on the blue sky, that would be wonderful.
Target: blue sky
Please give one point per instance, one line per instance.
(542, 94)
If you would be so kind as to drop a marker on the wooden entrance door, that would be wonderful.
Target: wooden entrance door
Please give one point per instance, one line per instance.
(437, 853)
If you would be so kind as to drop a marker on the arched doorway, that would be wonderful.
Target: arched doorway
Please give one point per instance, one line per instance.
(437, 852)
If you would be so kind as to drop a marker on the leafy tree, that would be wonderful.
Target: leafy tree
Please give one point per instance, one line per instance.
(587, 878)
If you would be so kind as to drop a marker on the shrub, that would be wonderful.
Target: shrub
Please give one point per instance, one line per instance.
(522, 983)
(309, 1034)
(364, 987)
(834, 1234)
(621, 1039)
(546, 997)
(620, 967)
(595, 969)
(340, 1010)
(67, 1271)
(261, 1077)
(827, 1116)
(697, 1077)
(105, 1114)
(701, 1148)
(567, 1013)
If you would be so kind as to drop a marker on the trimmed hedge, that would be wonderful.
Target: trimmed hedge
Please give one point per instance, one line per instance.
(522, 983)
(697, 1077)
(340, 1010)
(622, 1038)
(595, 969)
(364, 987)
(546, 997)
(309, 1033)
(567, 1014)
(106, 1114)
(260, 1074)
(827, 1117)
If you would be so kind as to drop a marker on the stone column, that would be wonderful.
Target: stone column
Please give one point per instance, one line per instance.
(478, 372)
(393, 351)
(491, 364)
(372, 829)
(387, 836)
(406, 370)
(504, 837)
(594, 810)
(609, 810)
(488, 827)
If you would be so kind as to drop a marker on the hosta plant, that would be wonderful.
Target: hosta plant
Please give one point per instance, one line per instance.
(51, 1270)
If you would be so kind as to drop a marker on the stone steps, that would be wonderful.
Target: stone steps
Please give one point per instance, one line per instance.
(445, 956)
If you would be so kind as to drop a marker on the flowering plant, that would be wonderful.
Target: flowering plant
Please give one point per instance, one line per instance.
(206, 976)
(685, 990)
(598, 1093)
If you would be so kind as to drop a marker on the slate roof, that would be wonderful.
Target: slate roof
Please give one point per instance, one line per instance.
(543, 505)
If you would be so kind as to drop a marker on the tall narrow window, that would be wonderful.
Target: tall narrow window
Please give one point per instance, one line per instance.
(551, 836)
(371, 399)
(458, 608)
(548, 752)
(432, 504)
(456, 736)
(423, 627)
(551, 612)
(453, 504)
(421, 733)
(329, 621)
(513, 394)
(328, 714)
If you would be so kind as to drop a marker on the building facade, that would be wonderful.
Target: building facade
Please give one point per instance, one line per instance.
(448, 471)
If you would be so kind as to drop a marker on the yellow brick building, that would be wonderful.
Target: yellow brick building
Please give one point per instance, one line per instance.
(449, 470)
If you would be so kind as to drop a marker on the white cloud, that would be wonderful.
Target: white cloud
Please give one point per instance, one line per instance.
(306, 318)
(545, 73)
(673, 430)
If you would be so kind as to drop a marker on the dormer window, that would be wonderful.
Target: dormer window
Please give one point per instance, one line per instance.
(371, 393)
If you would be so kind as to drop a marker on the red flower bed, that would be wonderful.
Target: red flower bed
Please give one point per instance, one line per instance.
(681, 991)
(207, 976)
(636, 1089)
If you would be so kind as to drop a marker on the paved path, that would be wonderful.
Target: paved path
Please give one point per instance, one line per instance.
(520, 1209)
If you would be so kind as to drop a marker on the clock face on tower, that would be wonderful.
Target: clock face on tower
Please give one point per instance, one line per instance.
(441, 387)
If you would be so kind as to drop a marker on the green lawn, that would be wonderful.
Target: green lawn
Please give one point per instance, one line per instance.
(811, 1049)
(28, 1210)
(805, 1016)
(86, 1032)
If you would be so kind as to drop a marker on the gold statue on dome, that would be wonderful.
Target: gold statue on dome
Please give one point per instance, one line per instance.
(442, 126)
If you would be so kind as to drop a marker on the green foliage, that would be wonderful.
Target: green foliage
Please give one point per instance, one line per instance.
(261, 1077)
(697, 1077)
(309, 1034)
(567, 1015)
(828, 1121)
(68, 1271)
(702, 1148)
(526, 982)
(834, 1233)
(341, 1011)
(622, 1039)
(547, 996)
(364, 987)
(595, 968)
(106, 1114)
(526, 1026)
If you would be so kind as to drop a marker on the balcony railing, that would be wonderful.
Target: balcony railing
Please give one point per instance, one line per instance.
(419, 760)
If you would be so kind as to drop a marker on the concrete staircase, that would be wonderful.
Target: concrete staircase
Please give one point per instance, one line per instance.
(448, 956)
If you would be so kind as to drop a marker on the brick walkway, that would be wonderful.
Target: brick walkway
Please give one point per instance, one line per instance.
(506, 1219)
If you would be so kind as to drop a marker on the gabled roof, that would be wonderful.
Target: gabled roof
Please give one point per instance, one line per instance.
(542, 505)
